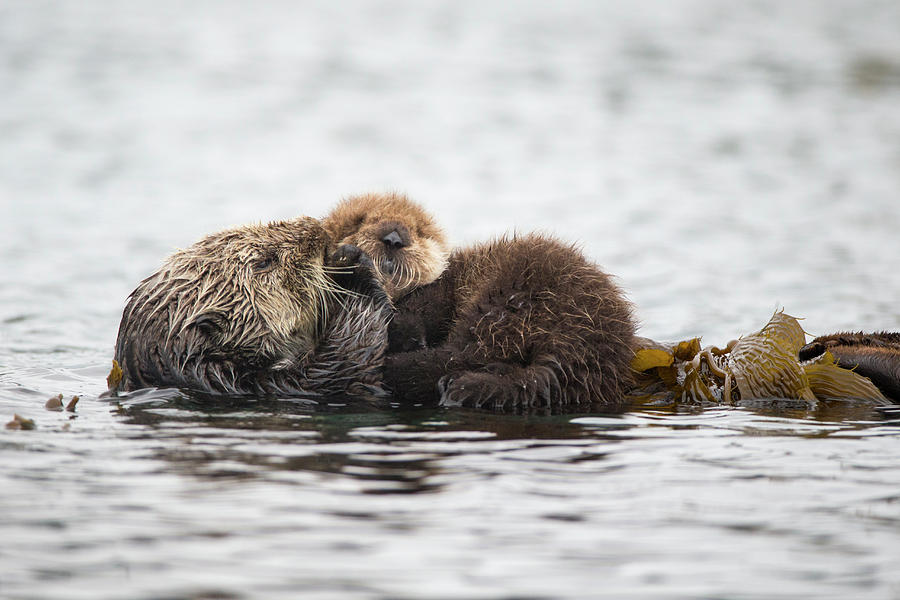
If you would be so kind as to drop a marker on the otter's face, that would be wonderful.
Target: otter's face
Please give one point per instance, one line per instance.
(408, 249)
(256, 292)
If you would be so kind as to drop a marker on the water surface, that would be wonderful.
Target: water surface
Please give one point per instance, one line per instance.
(721, 159)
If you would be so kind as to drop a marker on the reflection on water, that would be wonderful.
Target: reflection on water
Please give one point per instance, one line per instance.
(400, 451)
(722, 160)
(174, 497)
(380, 446)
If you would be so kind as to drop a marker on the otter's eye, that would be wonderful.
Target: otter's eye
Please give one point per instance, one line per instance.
(265, 263)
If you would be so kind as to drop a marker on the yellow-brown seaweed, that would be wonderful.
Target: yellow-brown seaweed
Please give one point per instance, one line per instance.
(20, 422)
(763, 364)
(115, 376)
(54, 403)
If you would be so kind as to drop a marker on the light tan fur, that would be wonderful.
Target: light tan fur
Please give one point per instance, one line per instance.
(251, 309)
(363, 221)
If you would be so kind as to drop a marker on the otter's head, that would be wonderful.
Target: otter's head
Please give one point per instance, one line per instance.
(255, 294)
(408, 248)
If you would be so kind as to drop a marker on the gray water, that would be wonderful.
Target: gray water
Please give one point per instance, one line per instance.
(723, 159)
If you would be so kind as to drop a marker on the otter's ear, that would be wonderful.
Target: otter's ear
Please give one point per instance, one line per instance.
(210, 324)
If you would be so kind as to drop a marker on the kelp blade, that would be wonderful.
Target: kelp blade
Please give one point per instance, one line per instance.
(765, 363)
(761, 365)
(827, 380)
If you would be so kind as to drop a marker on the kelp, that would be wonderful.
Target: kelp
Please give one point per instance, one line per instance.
(20, 422)
(56, 403)
(763, 364)
(115, 376)
(828, 380)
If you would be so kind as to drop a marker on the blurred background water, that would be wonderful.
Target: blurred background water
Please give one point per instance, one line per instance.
(723, 159)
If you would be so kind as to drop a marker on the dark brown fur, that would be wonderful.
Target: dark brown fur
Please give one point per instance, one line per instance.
(873, 355)
(408, 248)
(516, 325)
(256, 310)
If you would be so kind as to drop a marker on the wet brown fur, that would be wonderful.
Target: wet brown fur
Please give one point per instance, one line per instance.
(418, 255)
(873, 355)
(519, 324)
(255, 310)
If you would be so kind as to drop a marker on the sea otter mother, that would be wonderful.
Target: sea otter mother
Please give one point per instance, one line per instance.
(261, 310)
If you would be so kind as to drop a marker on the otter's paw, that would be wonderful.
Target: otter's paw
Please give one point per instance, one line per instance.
(811, 350)
(357, 273)
(347, 255)
(474, 389)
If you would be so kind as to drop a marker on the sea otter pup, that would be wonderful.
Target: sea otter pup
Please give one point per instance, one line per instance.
(873, 355)
(257, 310)
(408, 248)
(517, 324)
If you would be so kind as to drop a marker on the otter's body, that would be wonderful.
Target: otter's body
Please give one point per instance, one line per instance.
(514, 325)
(872, 355)
(255, 310)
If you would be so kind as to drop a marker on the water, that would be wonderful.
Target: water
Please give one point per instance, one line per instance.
(722, 159)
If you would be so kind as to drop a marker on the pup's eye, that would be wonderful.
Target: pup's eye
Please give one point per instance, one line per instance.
(265, 263)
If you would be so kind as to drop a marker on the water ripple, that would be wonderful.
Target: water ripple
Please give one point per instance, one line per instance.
(722, 161)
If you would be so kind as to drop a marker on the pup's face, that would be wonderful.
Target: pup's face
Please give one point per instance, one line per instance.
(407, 247)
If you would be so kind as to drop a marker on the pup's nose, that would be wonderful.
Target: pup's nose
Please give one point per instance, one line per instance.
(393, 240)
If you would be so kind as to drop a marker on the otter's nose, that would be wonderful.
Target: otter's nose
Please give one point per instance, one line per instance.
(393, 240)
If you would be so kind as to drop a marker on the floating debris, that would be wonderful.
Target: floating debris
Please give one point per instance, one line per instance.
(871, 73)
(54, 403)
(20, 422)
